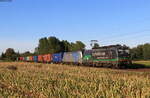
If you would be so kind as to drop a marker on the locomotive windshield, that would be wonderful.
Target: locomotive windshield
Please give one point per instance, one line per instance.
(123, 52)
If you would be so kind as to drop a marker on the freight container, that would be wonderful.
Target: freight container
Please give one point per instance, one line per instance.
(57, 57)
(35, 58)
(30, 58)
(72, 57)
(47, 58)
(24, 58)
(20, 58)
(67, 57)
(17, 58)
(27, 58)
(40, 58)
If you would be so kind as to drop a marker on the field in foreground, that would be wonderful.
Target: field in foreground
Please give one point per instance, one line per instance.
(18, 79)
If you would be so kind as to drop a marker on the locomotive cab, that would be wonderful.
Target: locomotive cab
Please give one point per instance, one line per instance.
(115, 56)
(124, 56)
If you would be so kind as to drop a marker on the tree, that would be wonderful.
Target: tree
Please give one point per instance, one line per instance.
(36, 51)
(65, 46)
(133, 53)
(43, 46)
(27, 53)
(141, 52)
(73, 47)
(54, 45)
(3, 56)
(146, 51)
(137, 52)
(79, 45)
(10, 54)
(48, 45)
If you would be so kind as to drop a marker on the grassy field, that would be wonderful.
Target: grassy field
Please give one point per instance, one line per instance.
(144, 63)
(18, 79)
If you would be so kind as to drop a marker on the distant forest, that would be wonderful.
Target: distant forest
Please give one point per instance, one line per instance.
(54, 45)
(141, 52)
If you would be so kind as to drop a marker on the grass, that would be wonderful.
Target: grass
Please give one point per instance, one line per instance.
(145, 63)
(18, 79)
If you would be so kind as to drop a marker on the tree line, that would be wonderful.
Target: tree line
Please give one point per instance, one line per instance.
(141, 52)
(45, 46)
(54, 45)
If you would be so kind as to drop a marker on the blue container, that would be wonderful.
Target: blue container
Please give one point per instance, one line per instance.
(57, 57)
(35, 58)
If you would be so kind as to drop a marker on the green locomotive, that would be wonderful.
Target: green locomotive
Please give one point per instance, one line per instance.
(114, 56)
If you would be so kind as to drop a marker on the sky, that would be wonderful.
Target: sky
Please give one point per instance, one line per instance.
(24, 22)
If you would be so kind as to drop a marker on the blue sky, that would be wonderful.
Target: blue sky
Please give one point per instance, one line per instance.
(23, 22)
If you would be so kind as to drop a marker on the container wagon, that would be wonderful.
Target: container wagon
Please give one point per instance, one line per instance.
(40, 58)
(57, 57)
(35, 58)
(31, 58)
(47, 58)
(72, 57)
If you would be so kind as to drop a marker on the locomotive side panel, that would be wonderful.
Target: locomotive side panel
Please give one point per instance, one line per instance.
(104, 57)
(87, 58)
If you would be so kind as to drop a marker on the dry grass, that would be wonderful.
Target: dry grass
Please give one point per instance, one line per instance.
(146, 63)
(53, 80)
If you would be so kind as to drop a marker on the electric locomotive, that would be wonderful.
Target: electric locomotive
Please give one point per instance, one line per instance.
(114, 56)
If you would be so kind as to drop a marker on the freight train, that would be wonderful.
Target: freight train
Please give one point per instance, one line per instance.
(114, 56)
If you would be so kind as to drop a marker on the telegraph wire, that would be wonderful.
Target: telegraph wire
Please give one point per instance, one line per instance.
(120, 36)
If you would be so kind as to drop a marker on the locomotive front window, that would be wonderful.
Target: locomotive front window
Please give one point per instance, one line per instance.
(88, 52)
(123, 53)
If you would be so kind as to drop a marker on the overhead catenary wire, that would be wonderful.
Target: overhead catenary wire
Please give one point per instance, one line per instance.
(121, 37)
